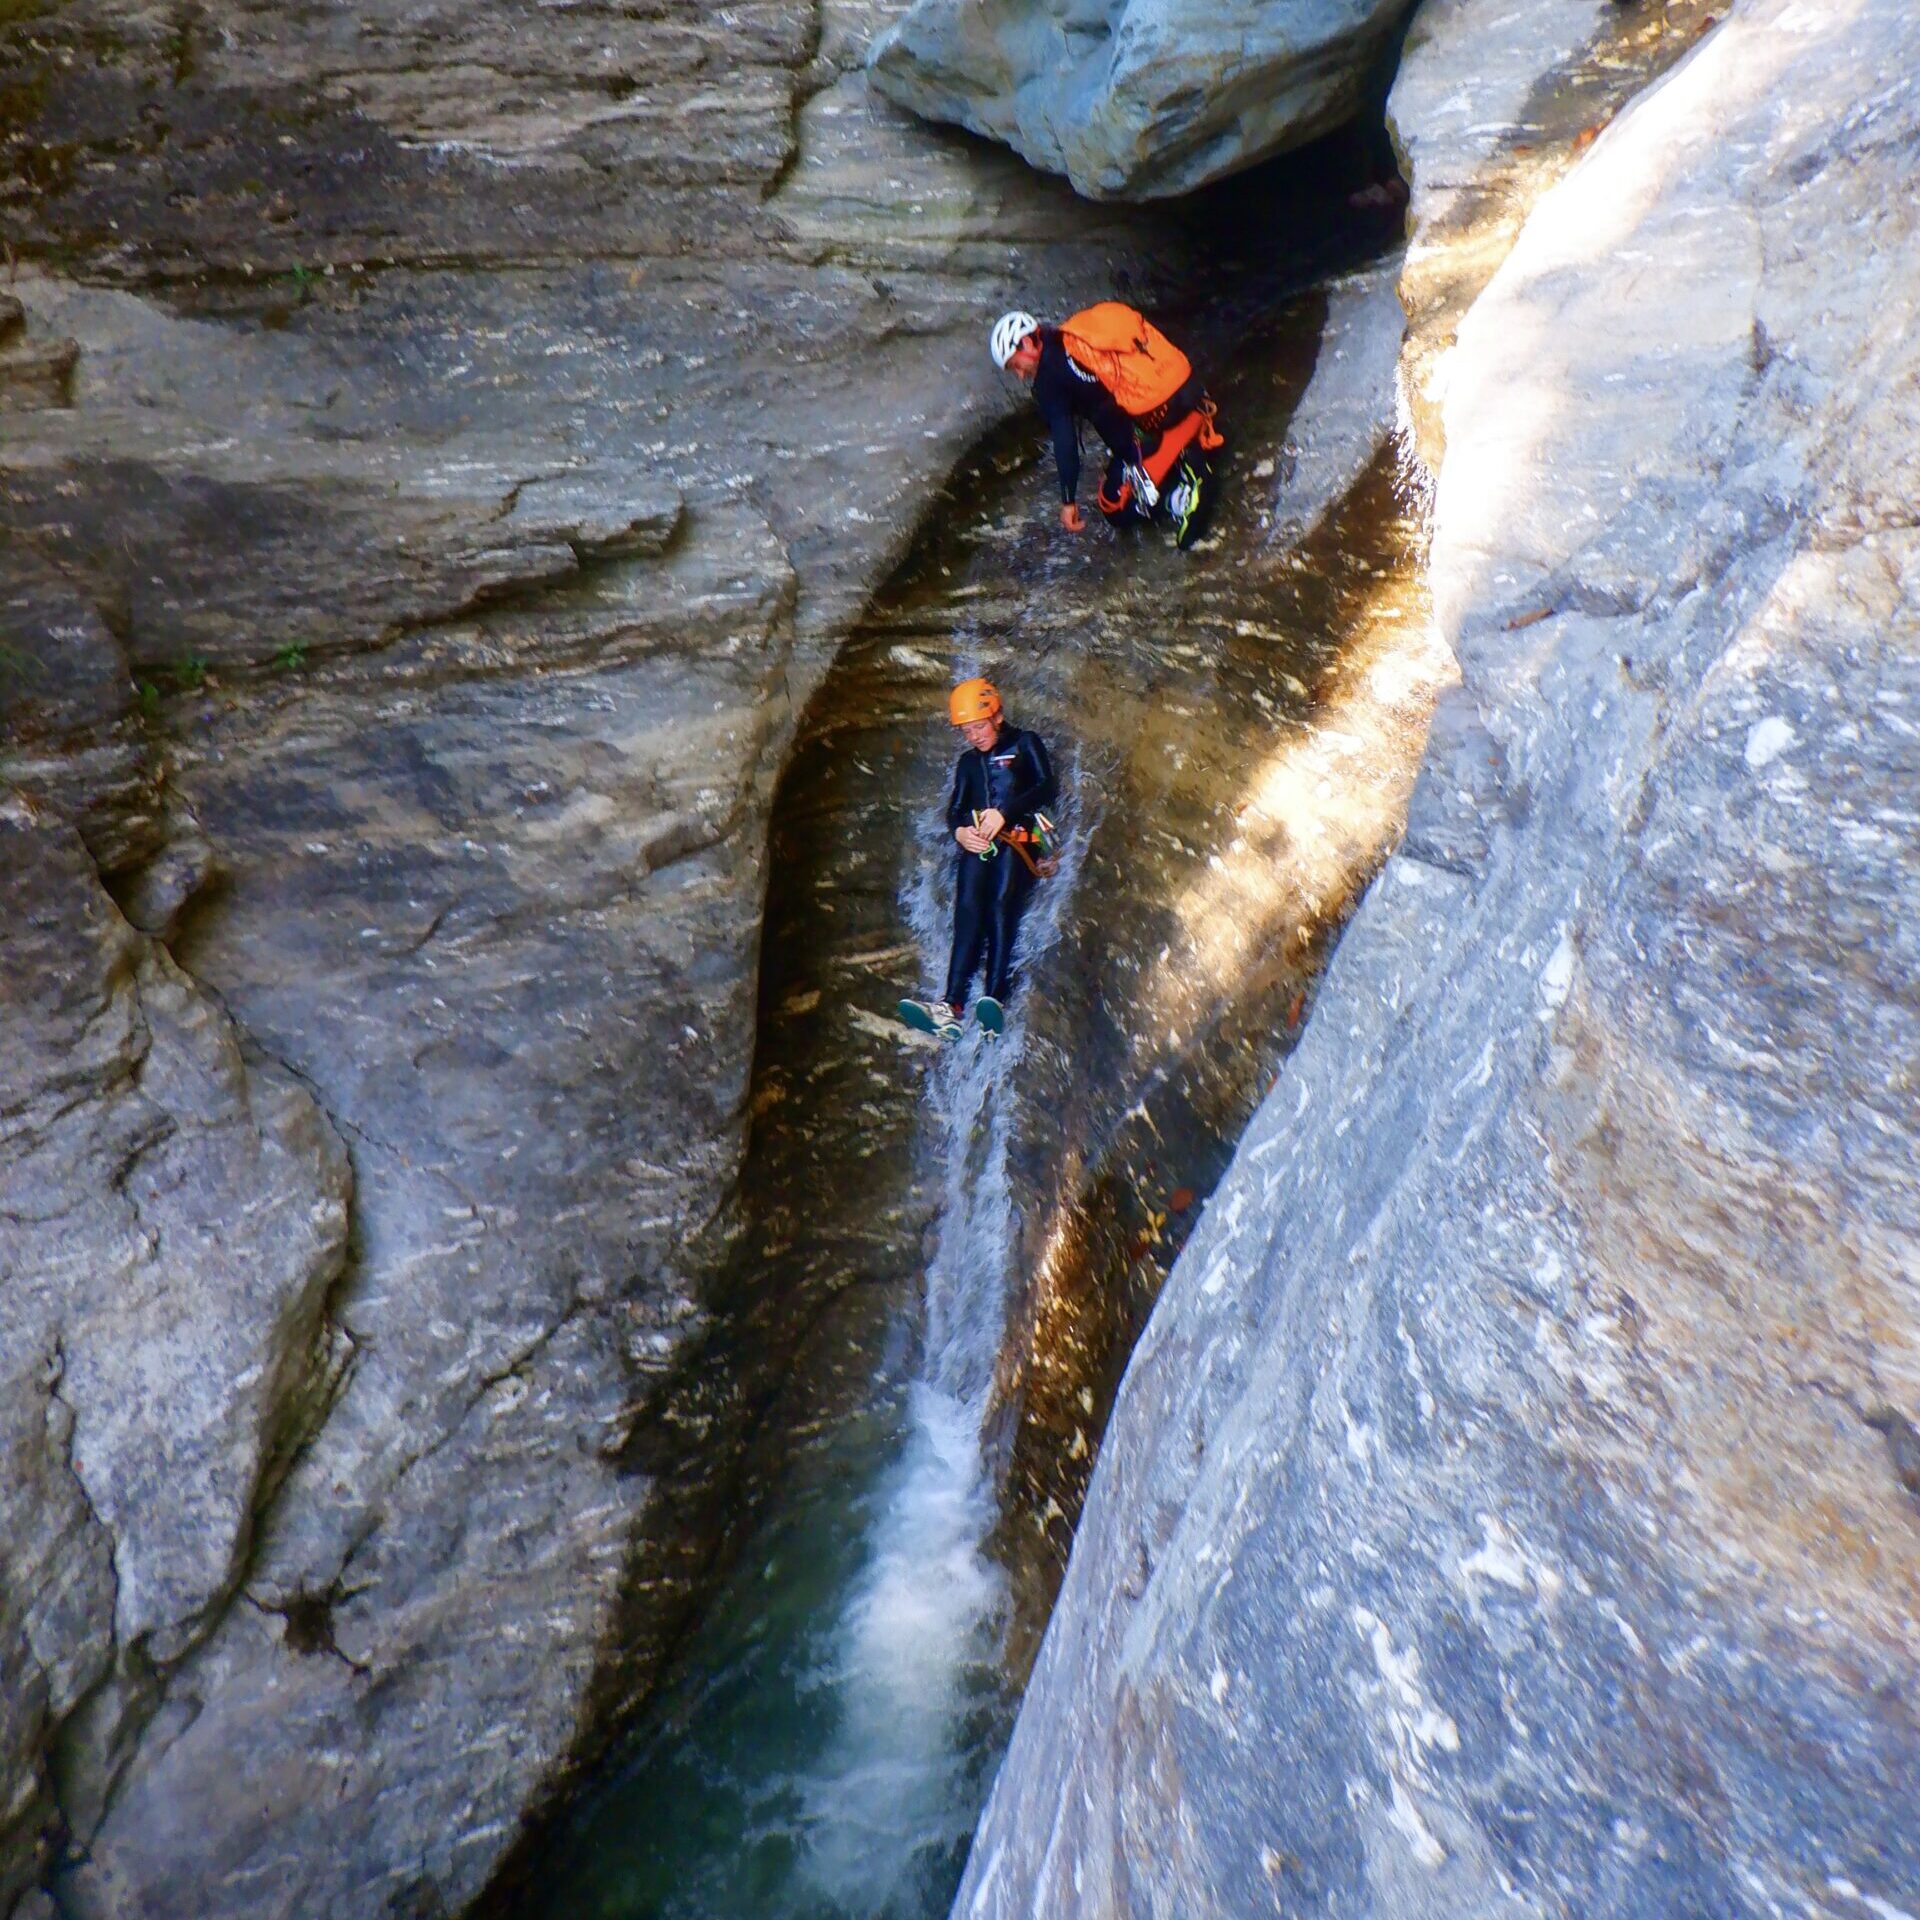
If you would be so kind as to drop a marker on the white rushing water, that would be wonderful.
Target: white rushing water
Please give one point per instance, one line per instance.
(916, 1647)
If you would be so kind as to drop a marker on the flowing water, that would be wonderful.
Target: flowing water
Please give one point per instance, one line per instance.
(948, 1250)
(825, 1745)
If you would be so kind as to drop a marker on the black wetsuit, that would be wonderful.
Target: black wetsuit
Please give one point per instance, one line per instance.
(1015, 777)
(1066, 394)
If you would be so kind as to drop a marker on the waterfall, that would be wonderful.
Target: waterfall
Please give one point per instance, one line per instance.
(916, 1649)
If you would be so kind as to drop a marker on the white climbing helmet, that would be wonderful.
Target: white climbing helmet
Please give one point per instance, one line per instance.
(1008, 331)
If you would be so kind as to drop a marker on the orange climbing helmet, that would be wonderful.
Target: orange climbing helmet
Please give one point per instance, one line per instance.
(973, 700)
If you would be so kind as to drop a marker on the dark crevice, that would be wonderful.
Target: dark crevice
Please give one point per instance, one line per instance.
(308, 1627)
(59, 1764)
(1903, 1444)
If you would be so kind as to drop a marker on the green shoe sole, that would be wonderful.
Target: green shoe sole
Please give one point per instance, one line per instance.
(922, 1019)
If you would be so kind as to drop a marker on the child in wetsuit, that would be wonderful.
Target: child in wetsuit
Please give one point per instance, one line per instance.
(1000, 784)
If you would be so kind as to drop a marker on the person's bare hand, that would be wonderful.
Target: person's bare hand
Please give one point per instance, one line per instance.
(1072, 518)
(972, 839)
(990, 823)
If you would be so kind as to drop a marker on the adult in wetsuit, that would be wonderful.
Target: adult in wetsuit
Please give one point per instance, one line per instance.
(999, 784)
(1068, 393)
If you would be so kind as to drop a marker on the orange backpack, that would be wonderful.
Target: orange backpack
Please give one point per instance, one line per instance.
(1127, 353)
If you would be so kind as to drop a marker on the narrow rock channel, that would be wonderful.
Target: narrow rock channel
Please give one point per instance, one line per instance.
(950, 1253)
(520, 1384)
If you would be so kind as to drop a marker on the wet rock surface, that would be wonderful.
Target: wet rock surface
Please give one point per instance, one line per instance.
(1138, 99)
(1506, 1510)
(478, 427)
(1493, 101)
(988, 1225)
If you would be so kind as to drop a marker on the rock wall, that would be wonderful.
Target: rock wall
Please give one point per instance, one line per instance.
(1514, 1506)
(444, 446)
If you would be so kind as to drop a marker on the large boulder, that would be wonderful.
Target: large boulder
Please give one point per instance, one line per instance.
(1514, 1506)
(1137, 99)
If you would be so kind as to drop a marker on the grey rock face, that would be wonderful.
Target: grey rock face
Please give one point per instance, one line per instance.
(1345, 417)
(1136, 99)
(1507, 1511)
(478, 426)
(1464, 115)
(171, 1218)
(1494, 101)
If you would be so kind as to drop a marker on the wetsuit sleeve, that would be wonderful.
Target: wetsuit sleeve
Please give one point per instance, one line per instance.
(1066, 436)
(959, 807)
(1065, 396)
(1038, 787)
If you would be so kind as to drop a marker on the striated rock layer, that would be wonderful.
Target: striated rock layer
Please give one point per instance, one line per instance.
(1514, 1506)
(444, 445)
(1137, 99)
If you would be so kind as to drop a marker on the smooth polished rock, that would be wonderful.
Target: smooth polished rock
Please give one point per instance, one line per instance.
(1509, 1510)
(1493, 102)
(1137, 99)
(1346, 415)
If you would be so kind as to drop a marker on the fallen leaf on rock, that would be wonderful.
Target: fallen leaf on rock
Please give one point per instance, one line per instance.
(1529, 619)
(1180, 1199)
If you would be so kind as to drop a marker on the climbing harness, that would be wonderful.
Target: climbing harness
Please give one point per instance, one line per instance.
(1035, 845)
